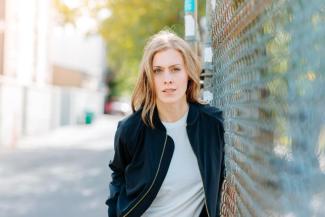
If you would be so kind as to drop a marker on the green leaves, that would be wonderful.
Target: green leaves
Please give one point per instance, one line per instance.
(125, 31)
(132, 22)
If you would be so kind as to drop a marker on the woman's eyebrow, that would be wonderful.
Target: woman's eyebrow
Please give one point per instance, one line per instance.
(168, 66)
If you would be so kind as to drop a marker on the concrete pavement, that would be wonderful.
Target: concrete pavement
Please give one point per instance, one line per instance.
(63, 173)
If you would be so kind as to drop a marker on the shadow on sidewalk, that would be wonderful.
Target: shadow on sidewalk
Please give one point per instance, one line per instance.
(54, 182)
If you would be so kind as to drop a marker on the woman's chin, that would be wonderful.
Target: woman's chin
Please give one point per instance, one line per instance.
(170, 100)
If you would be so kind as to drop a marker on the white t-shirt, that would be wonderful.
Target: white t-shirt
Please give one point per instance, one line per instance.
(181, 193)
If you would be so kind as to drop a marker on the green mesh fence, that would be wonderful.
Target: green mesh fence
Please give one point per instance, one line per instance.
(269, 79)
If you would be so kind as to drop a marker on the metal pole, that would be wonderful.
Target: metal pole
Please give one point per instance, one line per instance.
(191, 23)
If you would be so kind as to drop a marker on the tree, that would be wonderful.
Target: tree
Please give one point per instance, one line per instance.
(126, 30)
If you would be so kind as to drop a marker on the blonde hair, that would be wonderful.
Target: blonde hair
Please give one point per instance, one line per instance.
(144, 93)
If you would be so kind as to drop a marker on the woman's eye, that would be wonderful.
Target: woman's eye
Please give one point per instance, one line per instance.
(176, 69)
(156, 70)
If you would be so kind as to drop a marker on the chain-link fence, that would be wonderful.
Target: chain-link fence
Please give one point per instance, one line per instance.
(269, 79)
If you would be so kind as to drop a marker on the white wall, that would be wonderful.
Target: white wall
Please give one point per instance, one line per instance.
(29, 106)
(26, 40)
(11, 113)
(35, 110)
(72, 50)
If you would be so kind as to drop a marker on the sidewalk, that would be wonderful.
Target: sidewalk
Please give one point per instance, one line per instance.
(63, 173)
(97, 135)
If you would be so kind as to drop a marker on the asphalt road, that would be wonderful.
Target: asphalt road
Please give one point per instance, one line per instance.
(64, 173)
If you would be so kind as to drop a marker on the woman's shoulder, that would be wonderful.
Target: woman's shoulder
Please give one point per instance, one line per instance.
(211, 111)
(131, 121)
(129, 128)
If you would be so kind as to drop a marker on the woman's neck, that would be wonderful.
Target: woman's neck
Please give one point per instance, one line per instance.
(172, 112)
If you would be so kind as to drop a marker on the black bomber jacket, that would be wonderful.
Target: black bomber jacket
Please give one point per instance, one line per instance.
(143, 154)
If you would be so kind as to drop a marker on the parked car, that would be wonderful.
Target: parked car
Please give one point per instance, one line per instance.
(117, 107)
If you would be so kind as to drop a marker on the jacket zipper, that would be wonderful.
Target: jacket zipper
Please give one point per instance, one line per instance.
(206, 206)
(205, 195)
(151, 183)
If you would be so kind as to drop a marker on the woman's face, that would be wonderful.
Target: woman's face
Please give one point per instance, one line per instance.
(170, 77)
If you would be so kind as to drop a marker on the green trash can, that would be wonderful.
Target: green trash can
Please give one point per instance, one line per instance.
(89, 116)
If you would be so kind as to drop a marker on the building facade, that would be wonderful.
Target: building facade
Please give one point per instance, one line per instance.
(38, 92)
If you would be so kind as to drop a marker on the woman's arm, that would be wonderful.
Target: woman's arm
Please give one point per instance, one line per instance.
(117, 166)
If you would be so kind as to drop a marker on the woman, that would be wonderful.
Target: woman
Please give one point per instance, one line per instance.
(168, 158)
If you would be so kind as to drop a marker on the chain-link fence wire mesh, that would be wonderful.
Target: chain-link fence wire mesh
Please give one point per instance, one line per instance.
(269, 80)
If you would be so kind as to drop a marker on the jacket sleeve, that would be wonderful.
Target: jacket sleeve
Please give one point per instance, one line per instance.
(117, 166)
(223, 169)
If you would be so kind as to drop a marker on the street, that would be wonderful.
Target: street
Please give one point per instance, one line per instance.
(64, 173)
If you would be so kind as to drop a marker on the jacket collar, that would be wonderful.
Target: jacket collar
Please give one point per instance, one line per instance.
(192, 116)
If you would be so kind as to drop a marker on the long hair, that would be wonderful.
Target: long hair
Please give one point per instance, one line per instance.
(144, 95)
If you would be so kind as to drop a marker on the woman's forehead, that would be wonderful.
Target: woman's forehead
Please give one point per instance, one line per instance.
(167, 57)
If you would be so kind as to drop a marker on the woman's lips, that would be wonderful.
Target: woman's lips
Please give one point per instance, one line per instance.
(170, 90)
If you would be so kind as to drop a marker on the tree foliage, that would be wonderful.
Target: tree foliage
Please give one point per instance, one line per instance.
(126, 30)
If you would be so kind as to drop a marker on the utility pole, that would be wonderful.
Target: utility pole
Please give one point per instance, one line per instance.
(192, 36)
(208, 54)
(191, 24)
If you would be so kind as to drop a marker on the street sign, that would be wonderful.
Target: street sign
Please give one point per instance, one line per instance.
(189, 6)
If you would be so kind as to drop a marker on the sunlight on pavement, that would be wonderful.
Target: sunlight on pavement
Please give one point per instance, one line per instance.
(64, 173)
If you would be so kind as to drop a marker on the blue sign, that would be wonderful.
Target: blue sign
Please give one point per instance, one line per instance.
(189, 6)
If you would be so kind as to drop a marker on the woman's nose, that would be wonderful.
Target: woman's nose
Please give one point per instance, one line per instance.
(166, 82)
(168, 78)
